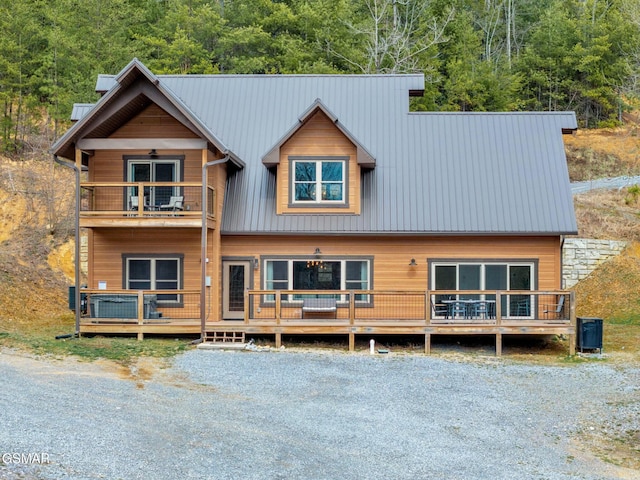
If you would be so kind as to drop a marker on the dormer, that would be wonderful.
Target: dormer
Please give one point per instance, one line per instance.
(318, 166)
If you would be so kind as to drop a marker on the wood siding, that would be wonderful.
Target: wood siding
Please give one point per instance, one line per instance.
(391, 256)
(153, 122)
(318, 137)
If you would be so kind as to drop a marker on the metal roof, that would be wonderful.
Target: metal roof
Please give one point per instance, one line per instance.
(435, 173)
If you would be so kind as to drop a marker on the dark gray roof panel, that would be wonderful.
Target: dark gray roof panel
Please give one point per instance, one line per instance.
(80, 110)
(435, 173)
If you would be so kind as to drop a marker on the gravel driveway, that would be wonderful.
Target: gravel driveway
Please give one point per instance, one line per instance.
(311, 415)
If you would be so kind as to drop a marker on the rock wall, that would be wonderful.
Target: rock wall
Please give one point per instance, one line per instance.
(581, 256)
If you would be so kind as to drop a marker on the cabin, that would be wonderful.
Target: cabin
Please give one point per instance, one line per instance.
(228, 205)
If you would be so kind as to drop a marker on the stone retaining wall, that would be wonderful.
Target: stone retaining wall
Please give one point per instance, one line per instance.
(581, 256)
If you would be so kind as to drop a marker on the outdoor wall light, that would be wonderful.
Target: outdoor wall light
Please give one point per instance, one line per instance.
(317, 253)
(413, 263)
(153, 153)
(256, 263)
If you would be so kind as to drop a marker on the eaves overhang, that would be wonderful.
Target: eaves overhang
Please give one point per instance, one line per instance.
(272, 157)
(134, 88)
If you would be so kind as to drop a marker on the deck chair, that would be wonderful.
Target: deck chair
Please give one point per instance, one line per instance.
(480, 309)
(175, 204)
(439, 310)
(133, 203)
(555, 311)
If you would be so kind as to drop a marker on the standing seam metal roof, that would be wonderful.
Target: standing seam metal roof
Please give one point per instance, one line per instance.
(435, 173)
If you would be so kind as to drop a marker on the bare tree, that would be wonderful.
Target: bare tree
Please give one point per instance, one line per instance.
(396, 33)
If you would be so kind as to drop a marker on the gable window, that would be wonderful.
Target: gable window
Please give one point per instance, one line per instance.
(311, 274)
(318, 180)
(154, 273)
(480, 275)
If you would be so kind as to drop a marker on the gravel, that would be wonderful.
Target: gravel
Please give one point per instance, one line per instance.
(313, 415)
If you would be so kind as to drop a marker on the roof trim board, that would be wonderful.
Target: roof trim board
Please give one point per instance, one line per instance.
(272, 157)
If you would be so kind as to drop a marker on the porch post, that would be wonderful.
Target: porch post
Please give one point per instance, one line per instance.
(77, 168)
(203, 237)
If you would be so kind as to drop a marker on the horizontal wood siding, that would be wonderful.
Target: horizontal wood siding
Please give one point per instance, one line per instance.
(318, 137)
(153, 122)
(108, 246)
(392, 255)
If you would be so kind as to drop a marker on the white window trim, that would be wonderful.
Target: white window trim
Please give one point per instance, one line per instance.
(343, 277)
(319, 181)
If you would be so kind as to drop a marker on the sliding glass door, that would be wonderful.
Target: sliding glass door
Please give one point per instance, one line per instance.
(487, 276)
(152, 170)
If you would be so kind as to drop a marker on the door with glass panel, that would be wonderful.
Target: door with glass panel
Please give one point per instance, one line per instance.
(236, 279)
(487, 276)
(154, 171)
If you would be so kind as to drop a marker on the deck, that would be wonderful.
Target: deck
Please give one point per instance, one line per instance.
(356, 313)
(145, 204)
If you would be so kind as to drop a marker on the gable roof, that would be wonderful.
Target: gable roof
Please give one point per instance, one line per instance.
(272, 157)
(130, 92)
(435, 173)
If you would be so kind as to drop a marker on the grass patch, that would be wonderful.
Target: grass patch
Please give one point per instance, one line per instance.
(38, 337)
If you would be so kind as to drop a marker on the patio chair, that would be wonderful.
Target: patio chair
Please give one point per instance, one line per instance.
(523, 308)
(555, 311)
(480, 309)
(133, 203)
(439, 309)
(459, 309)
(175, 204)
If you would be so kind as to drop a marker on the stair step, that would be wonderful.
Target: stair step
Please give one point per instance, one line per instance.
(224, 337)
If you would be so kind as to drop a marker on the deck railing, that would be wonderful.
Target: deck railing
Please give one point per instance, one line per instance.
(144, 199)
(482, 307)
(140, 306)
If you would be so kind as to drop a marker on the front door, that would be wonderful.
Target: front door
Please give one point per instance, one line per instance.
(236, 279)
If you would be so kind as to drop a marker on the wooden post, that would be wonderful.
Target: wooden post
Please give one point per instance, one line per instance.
(278, 340)
(427, 343)
(352, 307)
(574, 323)
(140, 314)
(352, 341)
(498, 344)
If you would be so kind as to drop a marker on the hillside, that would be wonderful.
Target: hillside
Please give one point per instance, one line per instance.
(606, 214)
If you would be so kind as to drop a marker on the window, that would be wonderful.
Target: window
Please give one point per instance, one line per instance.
(154, 273)
(154, 170)
(319, 181)
(487, 276)
(312, 274)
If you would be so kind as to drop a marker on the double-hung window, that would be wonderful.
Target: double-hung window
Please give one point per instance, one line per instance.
(154, 273)
(318, 181)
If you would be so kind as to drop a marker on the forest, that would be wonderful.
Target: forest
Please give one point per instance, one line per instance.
(476, 55)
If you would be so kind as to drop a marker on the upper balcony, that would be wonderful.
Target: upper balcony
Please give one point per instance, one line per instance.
(146, 204)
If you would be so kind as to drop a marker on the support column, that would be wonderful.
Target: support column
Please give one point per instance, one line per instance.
(278, 340)
(498, 344)
(427, 343)
(352, 342)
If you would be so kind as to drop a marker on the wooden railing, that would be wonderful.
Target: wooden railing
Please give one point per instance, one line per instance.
(140, 306)
(144, 199)
(481, 307)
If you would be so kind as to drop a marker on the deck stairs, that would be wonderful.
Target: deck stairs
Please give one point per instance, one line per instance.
(224, 337)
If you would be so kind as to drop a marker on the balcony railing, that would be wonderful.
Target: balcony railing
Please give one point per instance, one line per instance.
(145, 199)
